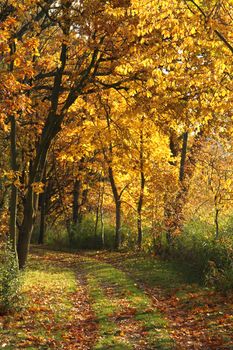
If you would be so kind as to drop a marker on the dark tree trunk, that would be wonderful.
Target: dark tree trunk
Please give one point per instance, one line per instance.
(97, 213)
(173, 212)
(43, 209)
(183, 156)
(117, 200)
(216, 223)
(142, 187)
(42, 217)
(14, 167)
(102, 233)
(76, 198)
(26, 228)
(14, 190)
(83, 202)
(118, 237)
(139, 225)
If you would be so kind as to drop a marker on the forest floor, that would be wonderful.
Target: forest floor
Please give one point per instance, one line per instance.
(115, 301)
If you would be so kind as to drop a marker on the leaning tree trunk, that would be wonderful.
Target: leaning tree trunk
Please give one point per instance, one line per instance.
(30, 201)
(51, 128)
(26, 228)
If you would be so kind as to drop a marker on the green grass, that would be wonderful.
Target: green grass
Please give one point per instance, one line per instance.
(153, 271)
(42, 323)
(117, 297)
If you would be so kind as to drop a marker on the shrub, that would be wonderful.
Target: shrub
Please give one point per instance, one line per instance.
(83, 235)
(10, 281)
(211, 260)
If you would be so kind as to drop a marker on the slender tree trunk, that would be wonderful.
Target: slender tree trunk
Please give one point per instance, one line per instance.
(97, 213)
(83, 202)
(76, 198)
(43, 205)
(117, 201)
(102, 233)
(118, 237)
(42, 217)
(14, 190)
(183, 156)
(216, 223)
(141, 196)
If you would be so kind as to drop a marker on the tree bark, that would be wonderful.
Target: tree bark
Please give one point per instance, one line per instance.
(42, 218)
(173, 211)
(26, 228)
(117, 201)
(118, 237)
(216, 223)
(14, 189)
(183, 156)
(97, 213)
(51, 128)
(43, 209)
(142, 187)
(102, 232)
(174, 206)
(76, 198)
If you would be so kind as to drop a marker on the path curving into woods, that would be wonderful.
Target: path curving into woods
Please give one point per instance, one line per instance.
(101, 301)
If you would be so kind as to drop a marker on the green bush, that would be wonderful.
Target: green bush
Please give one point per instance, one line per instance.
(10, 281)
(82, 235)
(57, 237)
(210, 259)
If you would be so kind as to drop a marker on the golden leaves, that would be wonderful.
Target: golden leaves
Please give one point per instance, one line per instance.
(38, 187)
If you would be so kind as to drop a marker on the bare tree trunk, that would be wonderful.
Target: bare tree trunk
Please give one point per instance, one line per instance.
(183, 156)
(142, 187)
(76, 198)
(83, 202)
(118, 237)
(42, 218)
(216, 223)
(97, 213)
(117, 200)
(102, 232)
(43, 205)
(14, 190)
(26, 227)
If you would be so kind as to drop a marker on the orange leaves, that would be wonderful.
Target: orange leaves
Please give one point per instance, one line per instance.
(38, 187)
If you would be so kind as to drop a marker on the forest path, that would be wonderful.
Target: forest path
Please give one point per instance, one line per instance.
(196, 317)
(126, 315)
(117, 301)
